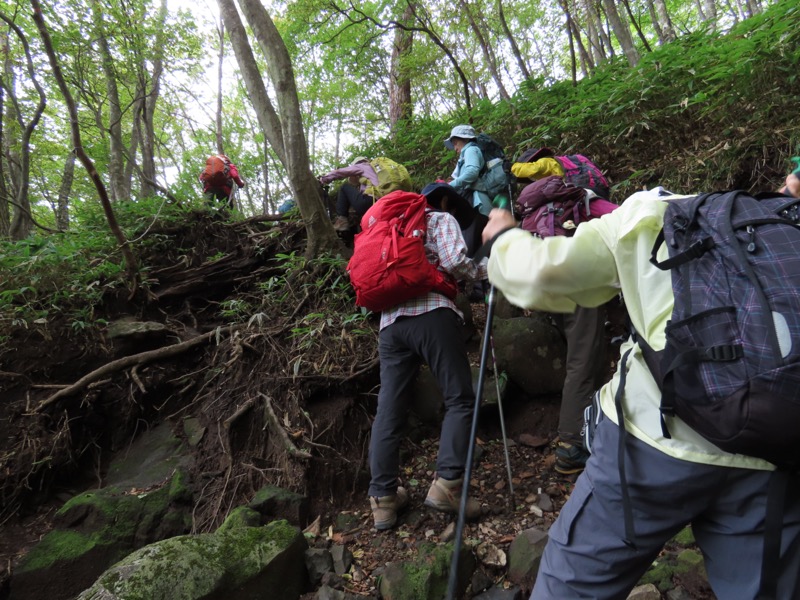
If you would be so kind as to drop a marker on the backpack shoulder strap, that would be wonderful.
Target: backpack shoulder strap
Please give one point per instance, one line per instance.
(682, 211)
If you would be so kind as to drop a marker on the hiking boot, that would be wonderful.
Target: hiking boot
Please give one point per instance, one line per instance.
(445, 495)
(570, 458)
(341, 223)
(385, 508)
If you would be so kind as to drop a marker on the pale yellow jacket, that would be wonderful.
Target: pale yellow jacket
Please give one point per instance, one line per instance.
(607, 256)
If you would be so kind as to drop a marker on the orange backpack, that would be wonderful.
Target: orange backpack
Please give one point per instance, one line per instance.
(217, 171)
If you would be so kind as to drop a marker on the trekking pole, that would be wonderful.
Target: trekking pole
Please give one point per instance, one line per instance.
(505, 204)
(462, 509)
(502, 416)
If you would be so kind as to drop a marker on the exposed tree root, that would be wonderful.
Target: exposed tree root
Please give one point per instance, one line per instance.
(133, 360)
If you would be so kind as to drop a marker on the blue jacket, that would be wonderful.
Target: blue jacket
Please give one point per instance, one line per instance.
(465, 177)
(468, 169)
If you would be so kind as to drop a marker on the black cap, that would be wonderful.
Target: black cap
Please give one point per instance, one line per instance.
(464, 213)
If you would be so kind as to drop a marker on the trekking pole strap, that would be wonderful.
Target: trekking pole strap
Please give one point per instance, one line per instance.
(773, 522)
(627, 511)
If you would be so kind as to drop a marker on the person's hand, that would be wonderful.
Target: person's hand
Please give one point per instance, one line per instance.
(792, 186)
(499, 220)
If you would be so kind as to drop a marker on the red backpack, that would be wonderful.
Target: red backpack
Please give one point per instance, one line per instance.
(551, 207)
(389, 266)
(217, 171)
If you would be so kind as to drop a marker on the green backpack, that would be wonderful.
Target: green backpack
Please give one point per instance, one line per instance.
(392, 176)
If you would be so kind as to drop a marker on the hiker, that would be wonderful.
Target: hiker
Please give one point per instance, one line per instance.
(367, 181)
(426, 329)
(550, 207)
(536, 163)
(352, 192)
(286, 206)
(218, 178)
(671, 481)
(464, 179)
(468, 167)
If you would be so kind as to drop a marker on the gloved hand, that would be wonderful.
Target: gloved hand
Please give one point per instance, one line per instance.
(796, 161)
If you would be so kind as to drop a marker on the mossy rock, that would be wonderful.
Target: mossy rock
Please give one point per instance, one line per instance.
(427, 577)
(662, 573)
(93, 531)
(246, 563)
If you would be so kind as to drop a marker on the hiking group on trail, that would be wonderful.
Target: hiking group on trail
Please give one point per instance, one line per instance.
(705, 400)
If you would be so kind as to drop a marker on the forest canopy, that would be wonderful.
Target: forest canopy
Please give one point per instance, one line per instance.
(157, 88)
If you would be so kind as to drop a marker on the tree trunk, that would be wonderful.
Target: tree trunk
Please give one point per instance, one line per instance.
(664, 20)
(651, 9)
(132, 267)
(571, 38)
(306, 190)
(635, 24)
(400, 106)
(149, 105)
(266, 203)
(622, 33)
(356, 15)
(116, 158)
(5, 205)
(595, 33)
(523, 67)
(488, 54)
(753, 7)
(587, 66)
(220, 61)
(22, 221)
(256, 90)
(64, 190)
(701, 13)
(710, 10)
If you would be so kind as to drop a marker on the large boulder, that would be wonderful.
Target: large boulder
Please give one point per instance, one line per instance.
(532, 352)
(93, 531)
(147, 498)
(246, 563)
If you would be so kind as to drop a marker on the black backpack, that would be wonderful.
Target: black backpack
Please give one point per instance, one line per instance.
(731, 365)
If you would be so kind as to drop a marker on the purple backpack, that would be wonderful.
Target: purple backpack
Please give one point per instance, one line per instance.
(580, 171)
(551, 207)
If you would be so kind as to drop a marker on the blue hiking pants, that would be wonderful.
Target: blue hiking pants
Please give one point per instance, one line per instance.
(585, 556)
(435, 338)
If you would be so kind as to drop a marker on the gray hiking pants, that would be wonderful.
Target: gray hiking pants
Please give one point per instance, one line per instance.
(585, 556)
(435, 338)
(584, 331)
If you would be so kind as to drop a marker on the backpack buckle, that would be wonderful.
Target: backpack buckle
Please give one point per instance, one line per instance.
(724, 353)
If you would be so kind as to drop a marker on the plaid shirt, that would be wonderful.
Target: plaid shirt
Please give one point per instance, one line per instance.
(445, 248)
